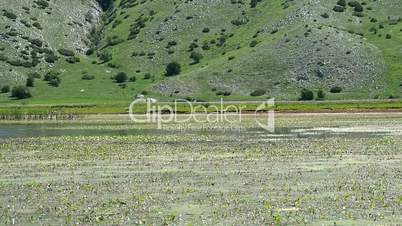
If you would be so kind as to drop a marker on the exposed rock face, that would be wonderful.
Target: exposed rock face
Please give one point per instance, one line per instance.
(330, 57)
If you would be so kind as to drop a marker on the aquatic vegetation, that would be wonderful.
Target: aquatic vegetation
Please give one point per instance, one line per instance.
(205, 174)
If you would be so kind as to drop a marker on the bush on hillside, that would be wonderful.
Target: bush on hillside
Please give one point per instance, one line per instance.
(105, 57)
(66, 52)
(339, 8)
(73, 60)
(55, 82)
(306, 94)
(21, 92)
(196, 56)
(341, 3)
(358, 14)
(52, 78)
(258, 92)
(359, 8)
(9, 15)
(335, 89)
(30, 81)
(173, 68)
(5, 89)
(88, 77)
(121, 77)
(205, 30)
(254, 3)
(320, 95)
(51, 58)
(353, 3)
(105, 4)
(325, 15)
(36, 42)
(147, 76)
(37, 25)
(253, 43)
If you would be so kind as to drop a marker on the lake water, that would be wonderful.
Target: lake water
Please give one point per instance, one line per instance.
(51, 130)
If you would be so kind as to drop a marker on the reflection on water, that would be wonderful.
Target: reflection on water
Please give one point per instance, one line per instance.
(51, 130)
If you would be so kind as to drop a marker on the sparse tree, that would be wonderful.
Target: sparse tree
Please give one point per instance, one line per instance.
(21, 92)
(30, 81)
(196, 56)
(320, 95)
(121, 77)
(173, 68)
(306, 95)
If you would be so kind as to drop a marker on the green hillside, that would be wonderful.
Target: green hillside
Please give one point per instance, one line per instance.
(232, 49)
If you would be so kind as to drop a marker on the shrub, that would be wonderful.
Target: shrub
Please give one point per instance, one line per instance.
(358, 8)
(258, 92)
(388, 36)
(113, 65)
(105, 4)
(325, 15)
(254, 3)
(133, 79)
(353, 3)
(253, 43)
(42, 4)
(192, 46)
(306, 94)
(205, 30)
(275, 30)
(21, 92)
(121, 77)
(173, 68)
(37, 25)
(335, 89)
(240, 21)
(37, 42)
(224, 93)
(358, 14)
(9, 15)
(55, 82)
(112, 41)
(73, 60)
(171, 43)
(196, 57)
(147, 76)
(339, 8)
(66, 52)
(52, 78)
(320, 95)
(30, 81)
(88, 77)
(51, 58)
(341, 3)
(5, 89)
(90, 51)
(51, 75)
(105, 57)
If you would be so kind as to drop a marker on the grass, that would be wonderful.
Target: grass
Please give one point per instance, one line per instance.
(222, 176)
(12, 111)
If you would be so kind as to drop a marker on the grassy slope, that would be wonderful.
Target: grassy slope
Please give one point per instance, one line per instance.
(252, 68)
